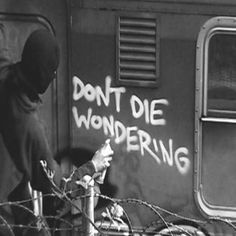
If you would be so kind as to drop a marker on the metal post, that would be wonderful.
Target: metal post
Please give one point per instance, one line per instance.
(88, 208)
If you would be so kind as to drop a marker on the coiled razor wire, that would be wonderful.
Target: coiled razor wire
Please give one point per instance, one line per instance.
(70, 227)
(64, 197)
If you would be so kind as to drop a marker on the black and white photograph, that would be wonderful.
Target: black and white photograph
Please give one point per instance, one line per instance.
(117, 117)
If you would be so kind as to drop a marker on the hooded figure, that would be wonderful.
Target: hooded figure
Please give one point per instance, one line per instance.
(40, 59)
(23, 143)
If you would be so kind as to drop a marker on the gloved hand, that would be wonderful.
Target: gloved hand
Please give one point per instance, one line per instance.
(101, 161)
(102, 157)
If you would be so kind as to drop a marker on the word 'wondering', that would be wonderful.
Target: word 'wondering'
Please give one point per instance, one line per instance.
(136, 139)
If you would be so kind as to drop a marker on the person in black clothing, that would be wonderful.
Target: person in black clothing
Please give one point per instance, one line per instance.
(23, 142)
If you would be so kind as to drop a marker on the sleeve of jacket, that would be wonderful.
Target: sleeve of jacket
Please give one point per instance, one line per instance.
(27, 144)
(41, 151)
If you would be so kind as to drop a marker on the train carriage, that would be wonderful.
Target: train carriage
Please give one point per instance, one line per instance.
(158, 78)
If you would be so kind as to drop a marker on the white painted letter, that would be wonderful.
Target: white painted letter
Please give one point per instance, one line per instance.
(96, 122)
(82, 118)
(130, 139)
(184, 167)
(77, 82)
(119, 136)
(133, 100)
(89, 93)
(145, 140)
(157, 112)
(105, 97)
(167, 157)
(108, 125)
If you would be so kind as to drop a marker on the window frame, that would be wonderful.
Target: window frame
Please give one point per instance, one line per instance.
(210, 28)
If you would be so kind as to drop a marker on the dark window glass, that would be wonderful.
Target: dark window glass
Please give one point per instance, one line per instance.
(222, 75)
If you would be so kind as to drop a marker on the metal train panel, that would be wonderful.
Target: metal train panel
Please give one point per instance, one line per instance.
(149, 75)
(165, 153)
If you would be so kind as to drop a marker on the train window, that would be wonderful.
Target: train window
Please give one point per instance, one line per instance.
(221, 77)
(215, 118)
(138, 46)
(13, 32)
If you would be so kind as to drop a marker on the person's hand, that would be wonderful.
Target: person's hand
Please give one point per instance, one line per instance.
(102, 157)
(101, 161)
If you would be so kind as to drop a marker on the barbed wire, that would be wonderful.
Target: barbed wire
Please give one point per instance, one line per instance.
(70, 226)
(177, 216)
(63, 224)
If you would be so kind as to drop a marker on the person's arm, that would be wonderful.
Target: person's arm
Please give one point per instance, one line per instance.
(42, 153)
(27, 144)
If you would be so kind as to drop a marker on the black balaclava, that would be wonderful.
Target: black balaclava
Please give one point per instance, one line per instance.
(40, 59)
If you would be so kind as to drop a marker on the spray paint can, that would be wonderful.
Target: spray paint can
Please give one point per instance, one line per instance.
(105, 150)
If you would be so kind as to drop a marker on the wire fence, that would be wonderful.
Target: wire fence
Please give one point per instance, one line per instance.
(114, 219)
